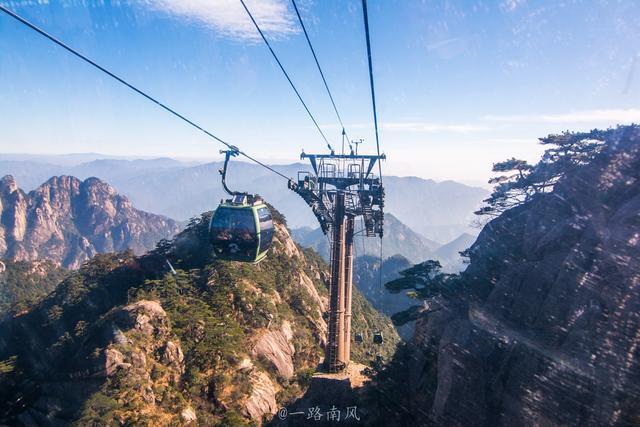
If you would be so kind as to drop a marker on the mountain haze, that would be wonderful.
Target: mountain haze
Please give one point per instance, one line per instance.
(449, 254)
(398, 239)
(441, 211)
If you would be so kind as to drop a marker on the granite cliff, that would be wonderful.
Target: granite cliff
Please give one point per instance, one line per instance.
(542, 327)
(68, 221)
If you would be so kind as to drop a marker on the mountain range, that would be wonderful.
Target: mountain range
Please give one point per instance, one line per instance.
(541, 327)
(398, 239)
(67, 221)
(440, 211)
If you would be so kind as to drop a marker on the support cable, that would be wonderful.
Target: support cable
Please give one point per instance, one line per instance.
(286, 75)
(306, 35)
(373, 92)
(375, 113)
(135, 89)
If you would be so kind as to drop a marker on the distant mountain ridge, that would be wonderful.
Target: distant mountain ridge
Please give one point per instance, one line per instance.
(367, 277)
(449, 254)
(441, 211)
(68, 221)
(398, 239)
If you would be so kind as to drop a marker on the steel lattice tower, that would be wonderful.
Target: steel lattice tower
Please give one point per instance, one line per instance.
(341, 188)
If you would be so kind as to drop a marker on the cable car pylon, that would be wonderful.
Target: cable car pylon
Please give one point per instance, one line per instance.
(340, 188)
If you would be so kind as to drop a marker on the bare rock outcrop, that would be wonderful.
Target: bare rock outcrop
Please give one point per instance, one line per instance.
(277, 348)
(263, 397)
(149, 360)
(188, 415)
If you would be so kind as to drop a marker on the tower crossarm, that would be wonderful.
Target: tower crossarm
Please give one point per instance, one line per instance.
(316, 202)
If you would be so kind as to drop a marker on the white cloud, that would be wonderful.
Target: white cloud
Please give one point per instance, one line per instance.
(444, 43)
(512, 5)
(229, 19)
(611, 116)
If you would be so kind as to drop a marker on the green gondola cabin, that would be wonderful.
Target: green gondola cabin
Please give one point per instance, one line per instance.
(241, 229)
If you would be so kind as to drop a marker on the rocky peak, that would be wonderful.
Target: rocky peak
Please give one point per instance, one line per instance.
(8, 185)
(67, 220)
(98, 192)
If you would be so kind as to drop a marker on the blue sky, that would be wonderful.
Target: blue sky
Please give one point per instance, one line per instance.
(460, 84)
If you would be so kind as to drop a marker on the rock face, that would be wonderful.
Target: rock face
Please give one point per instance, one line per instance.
(276, 346)
(552, 337)
(262, 400)
(68, 221)
(144, 357)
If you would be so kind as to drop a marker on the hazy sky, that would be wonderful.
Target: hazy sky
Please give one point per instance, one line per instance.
(460, 84)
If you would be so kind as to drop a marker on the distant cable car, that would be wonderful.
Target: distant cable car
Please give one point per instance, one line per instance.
(241, 229)
(358, 338)
(378, 338)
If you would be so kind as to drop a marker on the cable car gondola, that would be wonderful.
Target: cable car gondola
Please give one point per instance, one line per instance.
(378, 338)
(241, 229)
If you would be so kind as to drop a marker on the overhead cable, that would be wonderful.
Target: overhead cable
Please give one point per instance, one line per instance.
(304, 29)
(373, 92)
(135, 89)
(293, 86)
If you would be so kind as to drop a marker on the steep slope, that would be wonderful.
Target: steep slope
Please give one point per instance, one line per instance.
(124, 340)
(67, 221)
(542, 327)
(398, 239)
(23, 283)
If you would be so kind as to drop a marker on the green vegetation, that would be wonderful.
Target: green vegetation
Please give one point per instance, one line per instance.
(215, 312)
(520, 182)
(24, 283)
(99, 410)
(367, 321)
